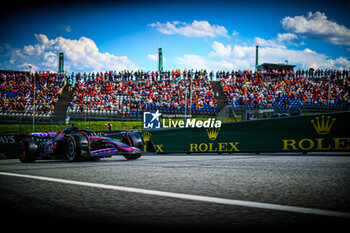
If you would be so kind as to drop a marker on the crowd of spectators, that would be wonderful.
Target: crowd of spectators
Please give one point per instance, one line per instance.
(128, 93)
(16, 92)
(133, 92)
(273, 73)
(279, 89)
(126, 75)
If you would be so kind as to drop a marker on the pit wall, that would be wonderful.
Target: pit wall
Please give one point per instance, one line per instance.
(308, 133)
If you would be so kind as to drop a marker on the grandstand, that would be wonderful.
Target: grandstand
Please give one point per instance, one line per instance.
(287, 92)
(127, 94)
(17, 94)
(111, 96)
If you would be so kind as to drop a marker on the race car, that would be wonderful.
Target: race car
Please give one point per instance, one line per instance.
(73, 144)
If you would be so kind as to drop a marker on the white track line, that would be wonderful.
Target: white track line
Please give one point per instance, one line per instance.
(191, 197)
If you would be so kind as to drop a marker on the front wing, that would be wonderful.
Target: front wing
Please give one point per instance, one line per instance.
(114, 151)
(118, 148)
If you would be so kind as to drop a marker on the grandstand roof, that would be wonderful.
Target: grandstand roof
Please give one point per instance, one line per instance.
(269, 66)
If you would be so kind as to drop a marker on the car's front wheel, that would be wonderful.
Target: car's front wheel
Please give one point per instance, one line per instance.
(132, 157)
(134, 140)
(78, 147)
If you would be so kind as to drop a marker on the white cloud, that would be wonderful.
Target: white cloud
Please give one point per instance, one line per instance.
(268, 43)
(191, 61)
(220, 50)
(288, 38)
(154, 57)
(316, 25)
(194, 29)
(243, 57)
(234, 33)
(280, 41)
(196, 62)
(304, 59)
(80, 55)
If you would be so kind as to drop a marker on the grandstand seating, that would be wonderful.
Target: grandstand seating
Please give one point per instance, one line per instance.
(132, 98)
(285, 91)
(16, 94)
(129, 94)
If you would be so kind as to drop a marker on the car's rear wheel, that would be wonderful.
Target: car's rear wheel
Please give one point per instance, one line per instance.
(28, 151)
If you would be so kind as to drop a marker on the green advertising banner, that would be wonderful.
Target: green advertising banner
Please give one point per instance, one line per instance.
(308, 133)
(9, 150)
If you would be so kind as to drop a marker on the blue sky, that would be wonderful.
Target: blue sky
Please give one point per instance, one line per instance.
(212, 35)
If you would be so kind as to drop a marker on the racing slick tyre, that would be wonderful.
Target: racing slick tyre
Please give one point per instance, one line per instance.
(78, 148)
(132, 157)
(135, 140)
(28, 151)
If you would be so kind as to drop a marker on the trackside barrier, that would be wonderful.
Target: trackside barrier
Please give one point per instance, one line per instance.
(309, 133)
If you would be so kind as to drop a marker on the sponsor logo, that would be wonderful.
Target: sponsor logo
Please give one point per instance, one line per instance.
(213, 133)
(146, 136)
(5, 139)
(151, 120)
(322, 126)
(214, 146)
(192, 123)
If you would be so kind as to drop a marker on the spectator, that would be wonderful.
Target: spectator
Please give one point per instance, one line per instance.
(17, 92)
(110, 127)
(284, 89)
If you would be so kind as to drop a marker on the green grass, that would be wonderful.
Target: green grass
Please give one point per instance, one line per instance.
(93, 125)
(6, 129)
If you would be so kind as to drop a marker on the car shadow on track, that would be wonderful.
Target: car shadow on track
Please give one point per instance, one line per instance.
(59, 164)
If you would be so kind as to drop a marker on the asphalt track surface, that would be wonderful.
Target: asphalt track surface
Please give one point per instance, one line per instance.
(178, 193)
